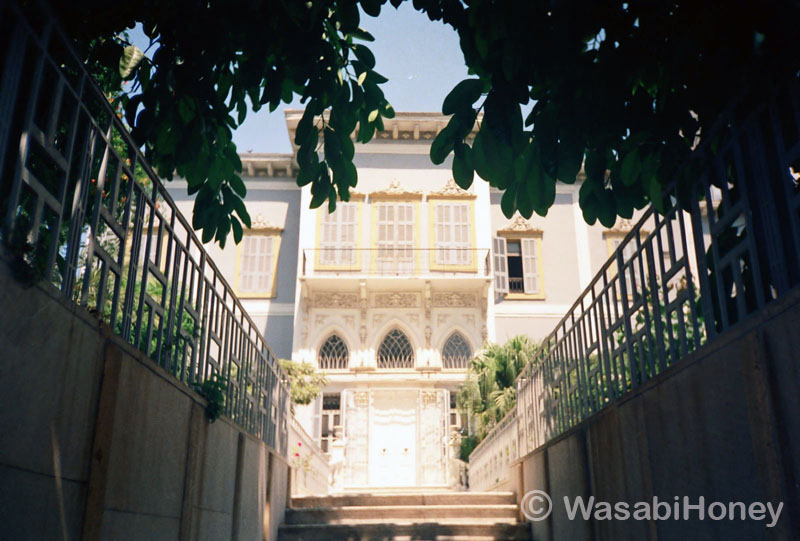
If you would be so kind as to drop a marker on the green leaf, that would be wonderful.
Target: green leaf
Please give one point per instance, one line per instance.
(463, 95)
(238, 185)
(208, 233)
(237, 230)
(306, 127)
(131, 57)
(596, 165)
(631, 167)
(241, 210)
(508, 201)
(363, 53)
(607, 209)
(348, 16)
(363, 35)
(442, 145)
(371, 7)
(463, 172)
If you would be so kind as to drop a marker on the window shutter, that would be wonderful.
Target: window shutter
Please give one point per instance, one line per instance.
(443, 224)
(255, 269)
(347, 234)
(530, 268)
(461, 234)
(329, 233)
(338, 235)
(500, 265)
(452, 240)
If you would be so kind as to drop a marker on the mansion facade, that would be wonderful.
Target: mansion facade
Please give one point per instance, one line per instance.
(395, 291)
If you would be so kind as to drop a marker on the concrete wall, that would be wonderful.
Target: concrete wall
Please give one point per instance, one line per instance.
(98, 443)
(723, 424)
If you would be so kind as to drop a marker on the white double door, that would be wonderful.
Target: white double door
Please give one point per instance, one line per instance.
(393, 439)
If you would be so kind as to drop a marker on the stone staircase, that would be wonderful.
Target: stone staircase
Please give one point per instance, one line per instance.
(435, 516)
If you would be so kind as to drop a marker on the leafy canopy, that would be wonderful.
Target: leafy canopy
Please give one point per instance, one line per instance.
(305, 383)
(621, 89)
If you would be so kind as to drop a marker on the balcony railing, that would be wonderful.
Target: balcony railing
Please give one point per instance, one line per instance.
(516, 285)
(82, 211)
(396, 261)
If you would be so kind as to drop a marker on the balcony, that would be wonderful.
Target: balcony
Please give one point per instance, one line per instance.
(396, 262)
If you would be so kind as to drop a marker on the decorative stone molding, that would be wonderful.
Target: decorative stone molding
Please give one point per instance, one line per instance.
(428, 333)
(520, 225)
(350, 321)
(320, 320)
(262, 224)
(429, 398)
(622, 227)
(355, 195)
(335, 300)
(442, 319)
(376, 319)
(395, 191)
(484, 333)
(469, 319)
(361, 398)
(362, 334)
(451, 190)
(395, 300)
(453, 299)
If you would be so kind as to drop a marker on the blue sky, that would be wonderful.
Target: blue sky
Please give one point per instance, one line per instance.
(421, 59)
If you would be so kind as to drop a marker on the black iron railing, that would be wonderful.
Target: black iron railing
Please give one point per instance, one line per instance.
(83, 210)
(729, 244)
(395, 261)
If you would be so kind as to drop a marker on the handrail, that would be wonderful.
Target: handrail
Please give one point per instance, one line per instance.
(395, 261)
(726, 246)
(82, 210)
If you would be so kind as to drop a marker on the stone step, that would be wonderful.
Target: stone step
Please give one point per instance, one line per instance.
(491, 514)
(416, 499)
(432, 531)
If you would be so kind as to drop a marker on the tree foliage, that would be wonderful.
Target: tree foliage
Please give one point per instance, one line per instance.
(621, 89)
(489, 392)
(305, 383)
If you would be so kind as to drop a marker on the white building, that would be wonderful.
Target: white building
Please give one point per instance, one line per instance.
(394, 292)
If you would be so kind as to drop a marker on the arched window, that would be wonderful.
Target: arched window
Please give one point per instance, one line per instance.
(333, 354)
(456, 352)
(395, 351)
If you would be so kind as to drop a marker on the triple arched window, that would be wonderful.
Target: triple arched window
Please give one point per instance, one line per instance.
(395, 351)
(333, 355)
(456, 352)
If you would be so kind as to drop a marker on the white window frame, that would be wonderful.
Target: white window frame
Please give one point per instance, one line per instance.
(532, 268)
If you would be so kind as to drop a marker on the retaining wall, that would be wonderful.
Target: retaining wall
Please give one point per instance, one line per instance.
(723, 424)
(100, 443)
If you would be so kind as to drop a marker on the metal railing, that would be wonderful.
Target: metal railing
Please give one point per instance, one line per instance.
(490, 461)
(82, 210)
(729, 244)
(396, 261)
